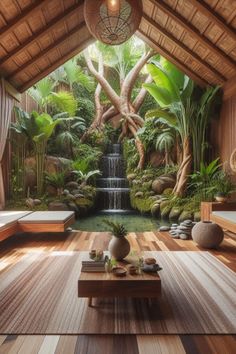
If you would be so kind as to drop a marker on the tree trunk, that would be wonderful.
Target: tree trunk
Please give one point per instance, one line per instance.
(184, 169)
(122, 104)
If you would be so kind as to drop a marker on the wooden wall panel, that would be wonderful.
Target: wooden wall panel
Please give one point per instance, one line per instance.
(224, 133)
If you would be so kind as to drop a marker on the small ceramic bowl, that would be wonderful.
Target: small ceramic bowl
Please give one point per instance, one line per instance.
(119, 271)
(150, 261)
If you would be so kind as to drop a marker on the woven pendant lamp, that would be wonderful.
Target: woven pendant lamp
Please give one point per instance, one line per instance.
(112, 21)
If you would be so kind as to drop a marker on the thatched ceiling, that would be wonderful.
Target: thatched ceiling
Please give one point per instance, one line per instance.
(37, 36)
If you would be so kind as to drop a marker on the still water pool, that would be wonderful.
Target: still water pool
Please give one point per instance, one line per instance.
(132, 222)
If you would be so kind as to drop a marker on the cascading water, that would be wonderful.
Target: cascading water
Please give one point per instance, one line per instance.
(113, 191)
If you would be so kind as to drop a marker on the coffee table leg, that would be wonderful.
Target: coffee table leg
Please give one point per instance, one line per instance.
(90, 302)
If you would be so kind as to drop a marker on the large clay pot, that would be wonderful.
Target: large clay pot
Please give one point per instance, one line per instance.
(119, 247)
(207, 234)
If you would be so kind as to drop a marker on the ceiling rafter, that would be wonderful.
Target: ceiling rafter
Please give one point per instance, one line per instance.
(29, 11)
(194, 32)
(36, 36)
(152, 43)
(213, 16)
(56, 64)
(183, 47)
(66, 37)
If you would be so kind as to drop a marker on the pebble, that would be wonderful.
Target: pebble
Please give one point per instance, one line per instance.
(164, 228)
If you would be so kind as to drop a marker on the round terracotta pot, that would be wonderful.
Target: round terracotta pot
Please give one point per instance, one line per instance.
(207, 234)
(119, 247)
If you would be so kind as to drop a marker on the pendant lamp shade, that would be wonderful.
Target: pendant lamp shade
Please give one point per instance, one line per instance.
(112, 21)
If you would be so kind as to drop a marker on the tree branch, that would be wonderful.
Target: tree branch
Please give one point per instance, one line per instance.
(137, 103)
(114, 98)
(133, 75)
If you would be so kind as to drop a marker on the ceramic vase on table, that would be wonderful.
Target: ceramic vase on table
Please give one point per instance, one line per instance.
(207, 234)
(119, 247)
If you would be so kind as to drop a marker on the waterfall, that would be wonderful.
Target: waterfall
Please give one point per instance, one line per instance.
(112, 187)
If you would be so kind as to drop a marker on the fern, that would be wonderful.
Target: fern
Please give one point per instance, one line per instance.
(117, 229)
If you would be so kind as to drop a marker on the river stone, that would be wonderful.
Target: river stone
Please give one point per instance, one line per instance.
(174, 225)
(164, 228)
(66, 192)
(37, 202)
(183, 236)
(79, 195)
(182, 227)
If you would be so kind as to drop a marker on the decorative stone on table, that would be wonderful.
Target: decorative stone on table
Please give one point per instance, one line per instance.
(207, 234)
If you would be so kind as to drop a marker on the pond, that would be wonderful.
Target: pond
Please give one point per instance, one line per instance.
(132, 222)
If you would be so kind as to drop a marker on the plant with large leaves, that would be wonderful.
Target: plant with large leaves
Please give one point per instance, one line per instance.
(180, 109)
(37, 129)
(43, 93)
(172, 91)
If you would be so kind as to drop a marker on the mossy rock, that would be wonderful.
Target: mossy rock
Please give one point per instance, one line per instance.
(175, 213)
(58, 206)
(162, 183)
(139, 194)
(131, 176)
(165, 212)
(164, 204)
(197, 216)
(186, 215)
(147, 185)
(168, 191)
(136, 182)
(155, 210)
(143, 205)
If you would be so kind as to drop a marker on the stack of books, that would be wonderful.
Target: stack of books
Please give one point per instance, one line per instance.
(93, 266)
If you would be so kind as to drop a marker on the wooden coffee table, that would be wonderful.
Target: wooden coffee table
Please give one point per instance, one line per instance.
(100, 285)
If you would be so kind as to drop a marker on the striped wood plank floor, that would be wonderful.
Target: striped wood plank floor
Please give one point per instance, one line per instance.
(12, 250)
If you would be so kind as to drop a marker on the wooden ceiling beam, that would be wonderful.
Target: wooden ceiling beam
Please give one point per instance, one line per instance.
(152, 43)
(65, 38)
(29, 11)
(55, 65)
(214, 17)
(219, 77)
(194, 32)
(48, 28)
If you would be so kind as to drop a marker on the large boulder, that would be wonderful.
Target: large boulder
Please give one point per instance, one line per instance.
(53, 164)
(162, 183)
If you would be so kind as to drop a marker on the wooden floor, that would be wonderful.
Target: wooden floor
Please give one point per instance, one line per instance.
(15, 248)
